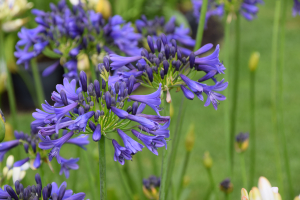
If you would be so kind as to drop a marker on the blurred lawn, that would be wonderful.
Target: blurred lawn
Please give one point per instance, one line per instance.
(209, 124)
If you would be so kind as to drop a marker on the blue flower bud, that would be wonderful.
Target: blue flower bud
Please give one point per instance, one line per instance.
(98, 49)
(26, 147)
(187, 93)
(179, 55)
(149, 72)
(135, 106)
(108, 99)
(83, 80)
(166, 66)
(158, 44)
(38, 179)
(161, 56)
(178, 64)
(172, 51)
(145, 53)
(90, 89)
(125, 92)
(97, 133)
(164, 39)
(64, 98)
(80, 110)
(97, 115)
(61, 192)
(150, 43)
(17, 186)
(117, 87)
(183, 60)
(192, 60)
(106, 63)
(11, 192)
(84, 42)
(140, 67)
(92, 125)
(49, 187)
(97, 89)
(174, 44)
(162, 74)
(54, 196)
(156, 61)
(86, 108)
(167, 51)
(131, 84)
(103, 84)
(74, 52)
(122, 114)
(101, 68)
(33, 146)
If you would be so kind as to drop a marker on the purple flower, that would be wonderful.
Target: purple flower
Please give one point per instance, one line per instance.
(6, 146)
(153, 100)
(55, 145)
(296, 8)
(61, 112)
(21, 162)
(129, 143)
(187, 93)
(151, 125)
(121, 153)
(122, 114)
(80, 141)
(37, 161)
(194, 86)
(81, 121)
(50, 69)
(249, 8)
(97, 133)
(213, 97)
(67, 165)
(151, 142)
(162, 130)
(120, 61)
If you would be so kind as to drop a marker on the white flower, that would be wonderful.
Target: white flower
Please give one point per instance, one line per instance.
(10, 161)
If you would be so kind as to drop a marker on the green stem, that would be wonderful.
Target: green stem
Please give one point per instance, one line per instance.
(281, 100)
(227, 93)
(208, 193)
(243, 169)
(164, 163)
(90, 173)
(37, 82)
(226, 196)
(212, 182)
(252, 129)
(201, 25)
(176, 139)
(235, 88)
(125, 185)
(274, 93)
(183, 171)
(154, 164)
(76, 174)
(93, 72)
(102, 168)
(10, 86)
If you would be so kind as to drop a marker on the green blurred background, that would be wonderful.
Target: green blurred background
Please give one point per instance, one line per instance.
(209, 124)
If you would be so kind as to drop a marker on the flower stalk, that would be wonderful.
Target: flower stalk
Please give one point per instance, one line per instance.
(102, 168)
(37, 82)
(201, 24)
(274, 92)
(10, 87)
(89, 170)
(243, 169)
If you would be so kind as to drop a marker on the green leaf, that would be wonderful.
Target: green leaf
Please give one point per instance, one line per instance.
(49, 53)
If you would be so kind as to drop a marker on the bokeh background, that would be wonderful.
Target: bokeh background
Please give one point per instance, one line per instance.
(209, 123)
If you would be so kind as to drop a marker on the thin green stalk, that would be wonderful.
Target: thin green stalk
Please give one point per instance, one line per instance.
(90, 173)
(212, 182)
(183, 171)
(208, 193)
(201, 24)
(93, 71)
(37, 82)
(252, 129)
(226, 196)
(176, 139)
(243, 169)
(131, 182)
(281, 100)
(235, 88)
(227, 93)
(102, 168)
(10, 86)
(164, 163)
(274, 93)
(154, 164)
(75, 175)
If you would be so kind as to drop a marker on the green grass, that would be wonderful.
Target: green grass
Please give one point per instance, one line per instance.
(209, 124)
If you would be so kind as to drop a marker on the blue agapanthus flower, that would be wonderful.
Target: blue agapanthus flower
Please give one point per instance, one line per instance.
(99, 110)
(296, 8)
(73, 35)
(249, 8)
(213, 9)
(36, 192)
(165, 31)
(166, 68)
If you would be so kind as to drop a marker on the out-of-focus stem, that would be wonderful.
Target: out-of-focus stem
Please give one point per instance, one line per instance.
(201, 25)
(37, 82)
(243, 169)
(281, 100)
(212, 182)
(102, 168)
(274, 93)
(235, 87)
(90, 173)
(183, 171)
(252, 128)
(10, 86)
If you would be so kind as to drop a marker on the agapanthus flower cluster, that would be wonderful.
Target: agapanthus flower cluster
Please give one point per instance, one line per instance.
(213, 9)
(296, 8)
(36, 192)
(38, 156)
(150, 187)
(158, 26)
(100, 109)
(247, 8)
(170, 68)
(77, 38)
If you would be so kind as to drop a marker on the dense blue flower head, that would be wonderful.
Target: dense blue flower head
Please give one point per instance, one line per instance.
(213, 9)
(98, 110)
(249, 8)
(165, 31)
(75, 37)
(36, 192)
(166, 69)
(296, 8)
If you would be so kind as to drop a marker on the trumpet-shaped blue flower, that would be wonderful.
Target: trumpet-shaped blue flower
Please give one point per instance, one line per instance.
(67, 165)
(121, 153)
(129, 143)
(214, 97)
(249, 9)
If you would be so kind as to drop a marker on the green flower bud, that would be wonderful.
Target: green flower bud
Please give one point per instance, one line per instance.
(253, 61)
